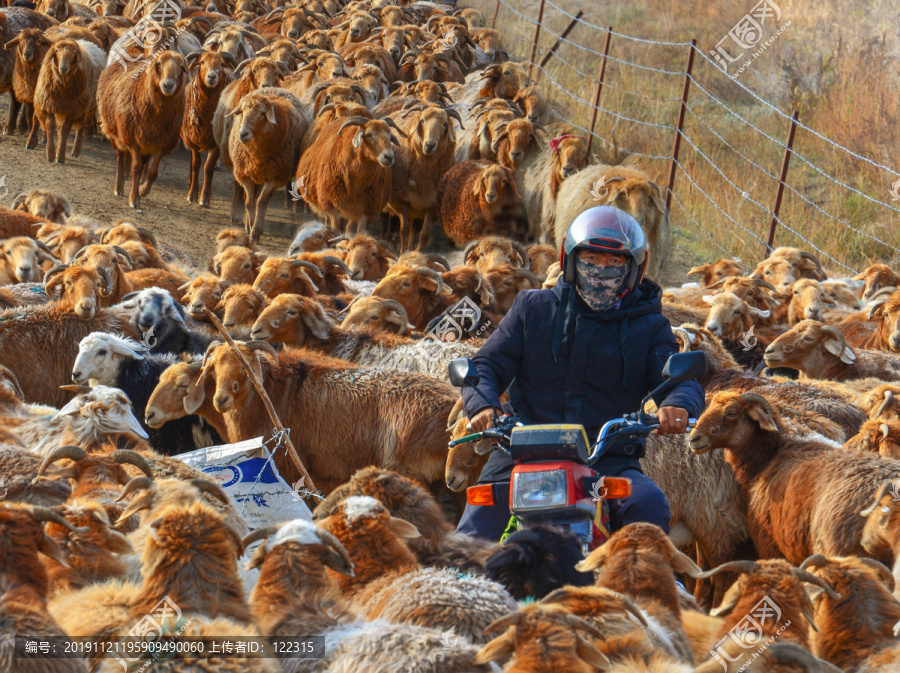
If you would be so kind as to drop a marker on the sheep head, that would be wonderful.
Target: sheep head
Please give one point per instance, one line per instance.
(387, 315)
(124, 231)
(731, 420)
(373, 138)
(505, 282)
(228, 238)
(100, 355)
(22, 258)
(28, 44)
(504, 80)
(368, 258)
(282, 274)
(495, 183)
(414, 288)
(259, 117)
(808, 301)
(312, 237)
(82, 288)
(241, 305)
(880, 403)
(432, 130)
(787, 265)
(809, 346)
(536, 108)
(494, 250)
(519, 136)
(889, 313)
(729, 315)
(878, 276)
(39, 202)
(712, 273)
(232, 383)
(292, 318)
(238, 264)
(211, 67)
(169, 73)
(176, 395)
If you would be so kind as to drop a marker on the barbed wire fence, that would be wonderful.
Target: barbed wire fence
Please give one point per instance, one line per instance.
(706, 137)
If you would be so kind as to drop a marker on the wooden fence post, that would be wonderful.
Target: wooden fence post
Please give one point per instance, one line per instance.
(785, 162)
(599, 89)
(537, 34)
(553, 49)
(494, 18)
(680, 126)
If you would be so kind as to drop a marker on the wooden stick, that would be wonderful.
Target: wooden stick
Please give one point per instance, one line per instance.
(785, 162)
(254, 379)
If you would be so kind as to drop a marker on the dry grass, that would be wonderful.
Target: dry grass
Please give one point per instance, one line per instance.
(834, 63)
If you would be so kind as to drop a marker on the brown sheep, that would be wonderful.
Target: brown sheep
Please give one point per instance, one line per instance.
(424, 156)
(251, 75)
(201, 99)
(233, 237)
(877, 436)
(44, 204)
(31, 47)
(877, 276)
(204, 292)
(278, 275)
(479, 198)
(712, 273)
(787, 265)
(505, 282)
(790, 512)
(386, 315)
(62, 10)
(626, 188)
(420, 291)
(540, 178)
(265, 148)
(66, 94)
(368, 258)
(142, 117)
(493, 250)
(348, 175)
(20, 260)
(237, 264)
(517, 141)
(240, 306)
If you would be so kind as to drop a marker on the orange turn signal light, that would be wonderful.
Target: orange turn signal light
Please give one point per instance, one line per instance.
(484, 494)
(616, 487)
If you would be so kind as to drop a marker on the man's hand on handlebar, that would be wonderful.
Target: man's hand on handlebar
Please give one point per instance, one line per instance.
(672, 421)
(484, 420)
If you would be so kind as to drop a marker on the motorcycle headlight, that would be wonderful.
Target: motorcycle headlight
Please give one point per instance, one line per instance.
(540, 490)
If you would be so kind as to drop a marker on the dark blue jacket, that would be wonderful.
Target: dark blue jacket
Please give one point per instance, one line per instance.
(609, 362)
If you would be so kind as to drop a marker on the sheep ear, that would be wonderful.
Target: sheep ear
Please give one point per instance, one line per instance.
(709, 299)
(357, 138)
(683, 564)
(195, 397)
(270, 114)
(758, 312)
(848, 357)
(813, 592)
(762, 416)
(403, 528)
(588, 652)
(476, 191)
(48, 547)
(317, 326)
(702, 269)
(256, 560)
(833, 346)
(860, 276)
(118, 543)
(499, 649)
(595, 559)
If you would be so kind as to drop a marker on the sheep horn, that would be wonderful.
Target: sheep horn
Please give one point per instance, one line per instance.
(683, 333)
(402, 319)
(337, 261)
(829, 329)
(52, 271)
(136, 484)
(455, 114)
(262, 346)
(425, 271)
(795, 655)
(742, 566)
(805, 576)
(354, 121)
(883, 571)
(70, 451)
(308, 265)
(43, 246)
(327, 537)
(765, 284)
(242, 65)
(79, 390)
(888, 398)
(885, 431)
(257, 535)
(132, 458)
(233, 62)
(390, 122)
(107, 280)
(123, 251)
(358, 89)
(45, 514)
(814, 561)
(435, 258)
(504, 622)
(277, 10)
(758, 399)
(193, 56)
(875, 306)
(469, 246)
(209, 349)
(526, 260)
(216, 491)
(886, 487)
(81, 251)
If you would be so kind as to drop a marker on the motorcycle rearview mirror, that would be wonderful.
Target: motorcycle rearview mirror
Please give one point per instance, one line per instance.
(685, 366)
(463, 373)
(679, 367)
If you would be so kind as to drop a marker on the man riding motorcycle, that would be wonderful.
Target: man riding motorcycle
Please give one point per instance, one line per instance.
(587, 351)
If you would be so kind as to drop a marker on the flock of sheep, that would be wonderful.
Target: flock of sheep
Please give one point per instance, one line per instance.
(788, 538)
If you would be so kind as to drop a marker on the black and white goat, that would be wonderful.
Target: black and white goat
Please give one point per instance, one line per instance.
(162, 322)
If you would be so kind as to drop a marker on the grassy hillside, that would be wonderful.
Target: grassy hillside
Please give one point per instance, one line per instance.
(836, 64)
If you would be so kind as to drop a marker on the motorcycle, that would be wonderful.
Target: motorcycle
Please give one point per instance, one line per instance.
(554, 481)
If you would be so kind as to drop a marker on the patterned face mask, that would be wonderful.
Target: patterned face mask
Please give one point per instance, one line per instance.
(600, 286)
